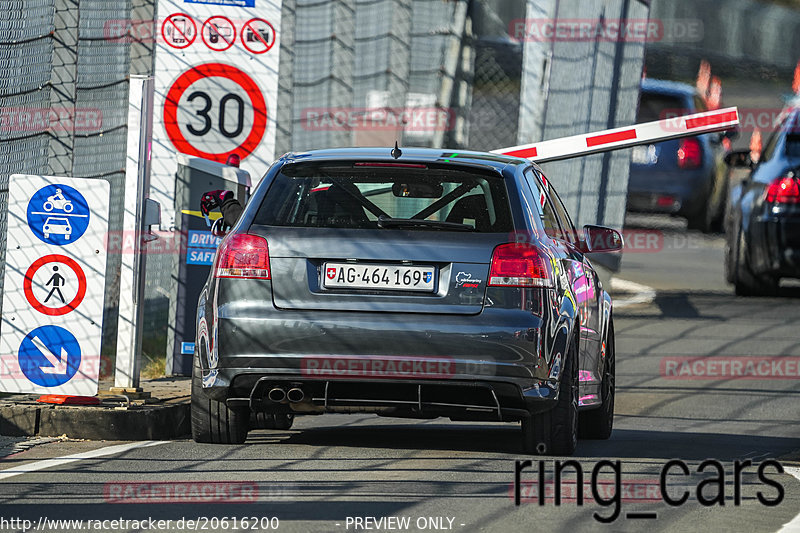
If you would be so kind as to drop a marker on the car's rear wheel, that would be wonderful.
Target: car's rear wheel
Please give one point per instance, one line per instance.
(598, 423)
(213, 421)
(555, 432)
(745, 282)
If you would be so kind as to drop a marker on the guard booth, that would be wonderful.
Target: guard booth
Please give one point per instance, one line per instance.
(191, 267)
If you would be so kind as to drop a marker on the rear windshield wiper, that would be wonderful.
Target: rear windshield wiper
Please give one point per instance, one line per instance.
(387, 222)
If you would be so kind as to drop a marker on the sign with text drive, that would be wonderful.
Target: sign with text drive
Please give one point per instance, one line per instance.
(54, 285)
(216, 88)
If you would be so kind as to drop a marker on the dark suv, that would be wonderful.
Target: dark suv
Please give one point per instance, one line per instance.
(418, 285)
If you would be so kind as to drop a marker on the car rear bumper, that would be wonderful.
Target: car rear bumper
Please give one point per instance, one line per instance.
(780, 236)
(459, 399)
(333, 353)
(680, 192)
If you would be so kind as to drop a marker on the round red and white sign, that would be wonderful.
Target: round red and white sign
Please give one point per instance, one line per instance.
(54, 285)
(179, 30)
(218, 33)
(258, 36)
(215, 110)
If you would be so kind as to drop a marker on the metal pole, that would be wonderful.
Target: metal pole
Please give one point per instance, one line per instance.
(137, 185)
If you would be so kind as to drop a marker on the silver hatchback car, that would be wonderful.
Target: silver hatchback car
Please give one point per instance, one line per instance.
(418, 285)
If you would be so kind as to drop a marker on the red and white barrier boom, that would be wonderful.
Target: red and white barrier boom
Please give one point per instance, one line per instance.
(614, 139)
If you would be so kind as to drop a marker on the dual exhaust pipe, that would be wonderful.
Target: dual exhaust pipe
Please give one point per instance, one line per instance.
(280, 395)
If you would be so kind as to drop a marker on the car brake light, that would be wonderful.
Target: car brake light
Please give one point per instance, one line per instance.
(520, 265)
(690, 154)
(242, 255)
(784, 190)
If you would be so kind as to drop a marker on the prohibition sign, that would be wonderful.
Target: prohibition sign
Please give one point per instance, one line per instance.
(176, 32)
(202, 73)
(253, 32)
(27, 285)
(221, 33)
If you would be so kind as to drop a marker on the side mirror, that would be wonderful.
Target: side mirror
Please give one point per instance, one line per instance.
(218, 229)
(601, 239)
(739, 159)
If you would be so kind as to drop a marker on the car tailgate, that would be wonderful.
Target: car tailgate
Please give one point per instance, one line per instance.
(298, 257)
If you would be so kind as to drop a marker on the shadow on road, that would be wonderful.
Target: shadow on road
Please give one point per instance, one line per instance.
(457, 438)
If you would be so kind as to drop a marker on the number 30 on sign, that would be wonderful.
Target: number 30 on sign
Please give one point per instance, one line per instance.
(215, 110)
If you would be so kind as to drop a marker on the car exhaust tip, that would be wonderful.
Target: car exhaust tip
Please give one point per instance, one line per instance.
(277, 395)
(295, 395)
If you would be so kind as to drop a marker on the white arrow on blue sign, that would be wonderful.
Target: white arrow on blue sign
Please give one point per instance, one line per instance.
(49, 356)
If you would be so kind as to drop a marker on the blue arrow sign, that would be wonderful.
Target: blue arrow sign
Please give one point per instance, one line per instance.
(58, 214)
(49, 356)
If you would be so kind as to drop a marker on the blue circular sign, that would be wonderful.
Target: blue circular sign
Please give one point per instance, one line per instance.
(58, 214)
(49, 356)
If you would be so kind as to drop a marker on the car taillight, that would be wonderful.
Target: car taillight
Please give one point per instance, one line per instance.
(784, 190)
(690, 154)
(242, 255)
(520, 265)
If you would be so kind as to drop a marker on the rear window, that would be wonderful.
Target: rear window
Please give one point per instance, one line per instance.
(368, 196)
(654, 106)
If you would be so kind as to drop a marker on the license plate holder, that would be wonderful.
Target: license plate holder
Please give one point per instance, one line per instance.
(372, 276)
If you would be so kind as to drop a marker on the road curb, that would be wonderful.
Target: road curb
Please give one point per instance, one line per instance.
(147, 422)
(164, 416)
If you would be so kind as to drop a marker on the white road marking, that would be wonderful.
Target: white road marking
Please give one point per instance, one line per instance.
(641, 294)
(794, 525)
(92, 454)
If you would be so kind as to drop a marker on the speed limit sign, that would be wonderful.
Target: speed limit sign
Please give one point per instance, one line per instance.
(214, 110)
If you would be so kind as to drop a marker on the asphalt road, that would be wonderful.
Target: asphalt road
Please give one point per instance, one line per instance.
(459, 476)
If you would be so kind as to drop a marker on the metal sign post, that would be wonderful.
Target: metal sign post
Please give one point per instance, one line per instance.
(131, 241)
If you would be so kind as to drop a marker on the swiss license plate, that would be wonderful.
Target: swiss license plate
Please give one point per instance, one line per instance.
(387, 277)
